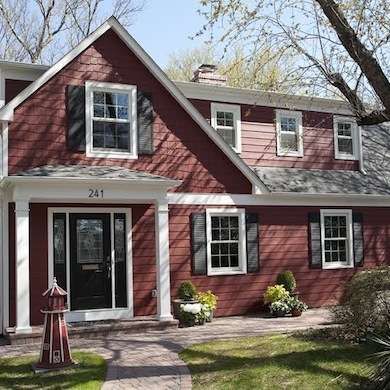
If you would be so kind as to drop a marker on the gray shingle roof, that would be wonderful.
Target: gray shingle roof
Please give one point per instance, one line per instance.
(376, 181)
(89, 172)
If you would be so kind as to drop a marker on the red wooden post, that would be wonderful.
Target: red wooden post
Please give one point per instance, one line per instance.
(55, 352)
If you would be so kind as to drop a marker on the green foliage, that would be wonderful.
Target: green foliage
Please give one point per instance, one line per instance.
(365, 306)
(187, 291)
(275, 293)
(208, 298)
(287, 280)
(88, 374)
(260, 70)
(280, 307)
(381, 375)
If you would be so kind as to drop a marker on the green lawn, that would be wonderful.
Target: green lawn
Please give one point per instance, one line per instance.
(89, 374)
(278, 362)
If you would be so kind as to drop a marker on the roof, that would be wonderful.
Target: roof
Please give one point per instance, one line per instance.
(375, 180)
(23, 65)
(6, 112)
(91, 172)
(248, 96)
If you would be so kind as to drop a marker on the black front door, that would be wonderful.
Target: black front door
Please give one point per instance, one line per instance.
(90, 261)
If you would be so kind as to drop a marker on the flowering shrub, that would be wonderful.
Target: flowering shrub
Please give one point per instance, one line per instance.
(295, 304)
(275, 293)
(193, 313)
(194, 308)
(208, 298)
(280, 307)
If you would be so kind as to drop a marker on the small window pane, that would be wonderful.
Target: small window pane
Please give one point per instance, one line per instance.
(345, 146)
(59, 248)
(289, 142)
(111, 135)
(120, 249)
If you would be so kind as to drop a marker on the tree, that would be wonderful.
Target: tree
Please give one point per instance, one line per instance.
(264, 70)
(43, 30)
(341, 48)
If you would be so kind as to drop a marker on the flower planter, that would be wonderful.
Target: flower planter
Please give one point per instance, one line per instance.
(296, 313)
(277, 313)
(210, 317)
(176, 306)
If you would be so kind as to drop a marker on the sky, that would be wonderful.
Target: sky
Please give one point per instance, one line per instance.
(164, 27)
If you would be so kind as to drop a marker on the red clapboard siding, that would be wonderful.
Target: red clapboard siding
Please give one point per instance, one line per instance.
(14, 87)
(37, 134)
(283, 245)
(258, 139)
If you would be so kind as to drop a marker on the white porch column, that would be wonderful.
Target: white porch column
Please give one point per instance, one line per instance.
(22, 264)
(162, 260)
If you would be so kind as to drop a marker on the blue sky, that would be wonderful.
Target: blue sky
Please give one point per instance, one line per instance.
(164, 26)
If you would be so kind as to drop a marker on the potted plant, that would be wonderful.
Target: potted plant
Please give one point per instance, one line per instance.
(186, 294)
(287, 280)
(297, 307)
(279, 308)
(209, 302)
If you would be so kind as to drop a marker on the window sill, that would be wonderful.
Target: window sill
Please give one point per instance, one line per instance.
(346, 157)
(337, 266)
(289, 154)
(118, 155)
(225, 273)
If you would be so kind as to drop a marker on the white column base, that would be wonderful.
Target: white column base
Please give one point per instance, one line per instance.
(165, 318)
(24, 330)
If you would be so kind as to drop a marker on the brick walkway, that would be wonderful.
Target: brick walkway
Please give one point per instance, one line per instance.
(150, 360)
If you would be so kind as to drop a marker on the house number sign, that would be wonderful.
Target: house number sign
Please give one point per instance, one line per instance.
(95, 193)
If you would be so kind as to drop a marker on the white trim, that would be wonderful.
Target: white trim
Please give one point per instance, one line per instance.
(4, 150)
(338, 212)
(355, 130)
(94, 314)
(236, 111)
(279, 199)
(297, 115)
(6, 113)
(131, 91)
(262, 98)
(5, 271)
(22, 269)
(241, 269)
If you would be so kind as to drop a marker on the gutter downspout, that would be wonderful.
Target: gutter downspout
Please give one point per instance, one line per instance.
(361, 160)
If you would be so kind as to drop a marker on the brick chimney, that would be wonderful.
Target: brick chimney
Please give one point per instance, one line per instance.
(207, 74)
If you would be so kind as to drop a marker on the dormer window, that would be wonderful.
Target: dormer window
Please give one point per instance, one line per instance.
(111, 120)
(289, 133)
(226, 120)
(346, 135)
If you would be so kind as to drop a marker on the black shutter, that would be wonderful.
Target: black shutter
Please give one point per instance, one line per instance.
(358, 242)
(315, 255)
(199, 243)
(76, 117)
(252, 243)
(145, 118)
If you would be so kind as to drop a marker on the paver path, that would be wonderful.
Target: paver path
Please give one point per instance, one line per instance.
(150, 360)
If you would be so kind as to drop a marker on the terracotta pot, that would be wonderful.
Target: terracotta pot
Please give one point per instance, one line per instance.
(296, 313)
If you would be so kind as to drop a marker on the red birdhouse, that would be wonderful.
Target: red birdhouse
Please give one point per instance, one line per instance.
(55, 352)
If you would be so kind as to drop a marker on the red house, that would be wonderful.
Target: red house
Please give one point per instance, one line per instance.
(122, 184)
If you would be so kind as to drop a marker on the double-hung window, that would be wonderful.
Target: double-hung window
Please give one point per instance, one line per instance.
(111, 120)
(226, 120)
(226, 241)
(289, 133)
(346, 138)
(336, 238)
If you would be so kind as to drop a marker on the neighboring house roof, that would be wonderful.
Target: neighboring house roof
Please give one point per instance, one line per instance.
(256, 97)
(375, 181)
(6, 112)
(92, 172)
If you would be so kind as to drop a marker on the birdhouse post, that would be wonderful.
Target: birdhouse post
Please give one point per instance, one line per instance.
(55, 352)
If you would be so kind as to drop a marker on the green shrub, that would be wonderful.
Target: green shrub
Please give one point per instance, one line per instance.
(275, 293)
(381, 376)
(208, 298)
(365, 305)
(287, 280)
(187, 291)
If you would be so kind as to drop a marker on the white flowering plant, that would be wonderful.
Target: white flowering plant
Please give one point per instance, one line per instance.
(193, 313)
(280, 307)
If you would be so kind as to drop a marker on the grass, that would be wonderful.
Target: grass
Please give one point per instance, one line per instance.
(89, 374)
(278, 362)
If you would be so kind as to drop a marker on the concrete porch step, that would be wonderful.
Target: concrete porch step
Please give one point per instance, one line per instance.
(78, 330)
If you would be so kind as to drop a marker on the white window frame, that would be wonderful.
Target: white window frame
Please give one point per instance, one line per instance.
(242, 266)
(131, 90)
(355, 130)
(236, 111)
(289, 114)
(349, 227)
